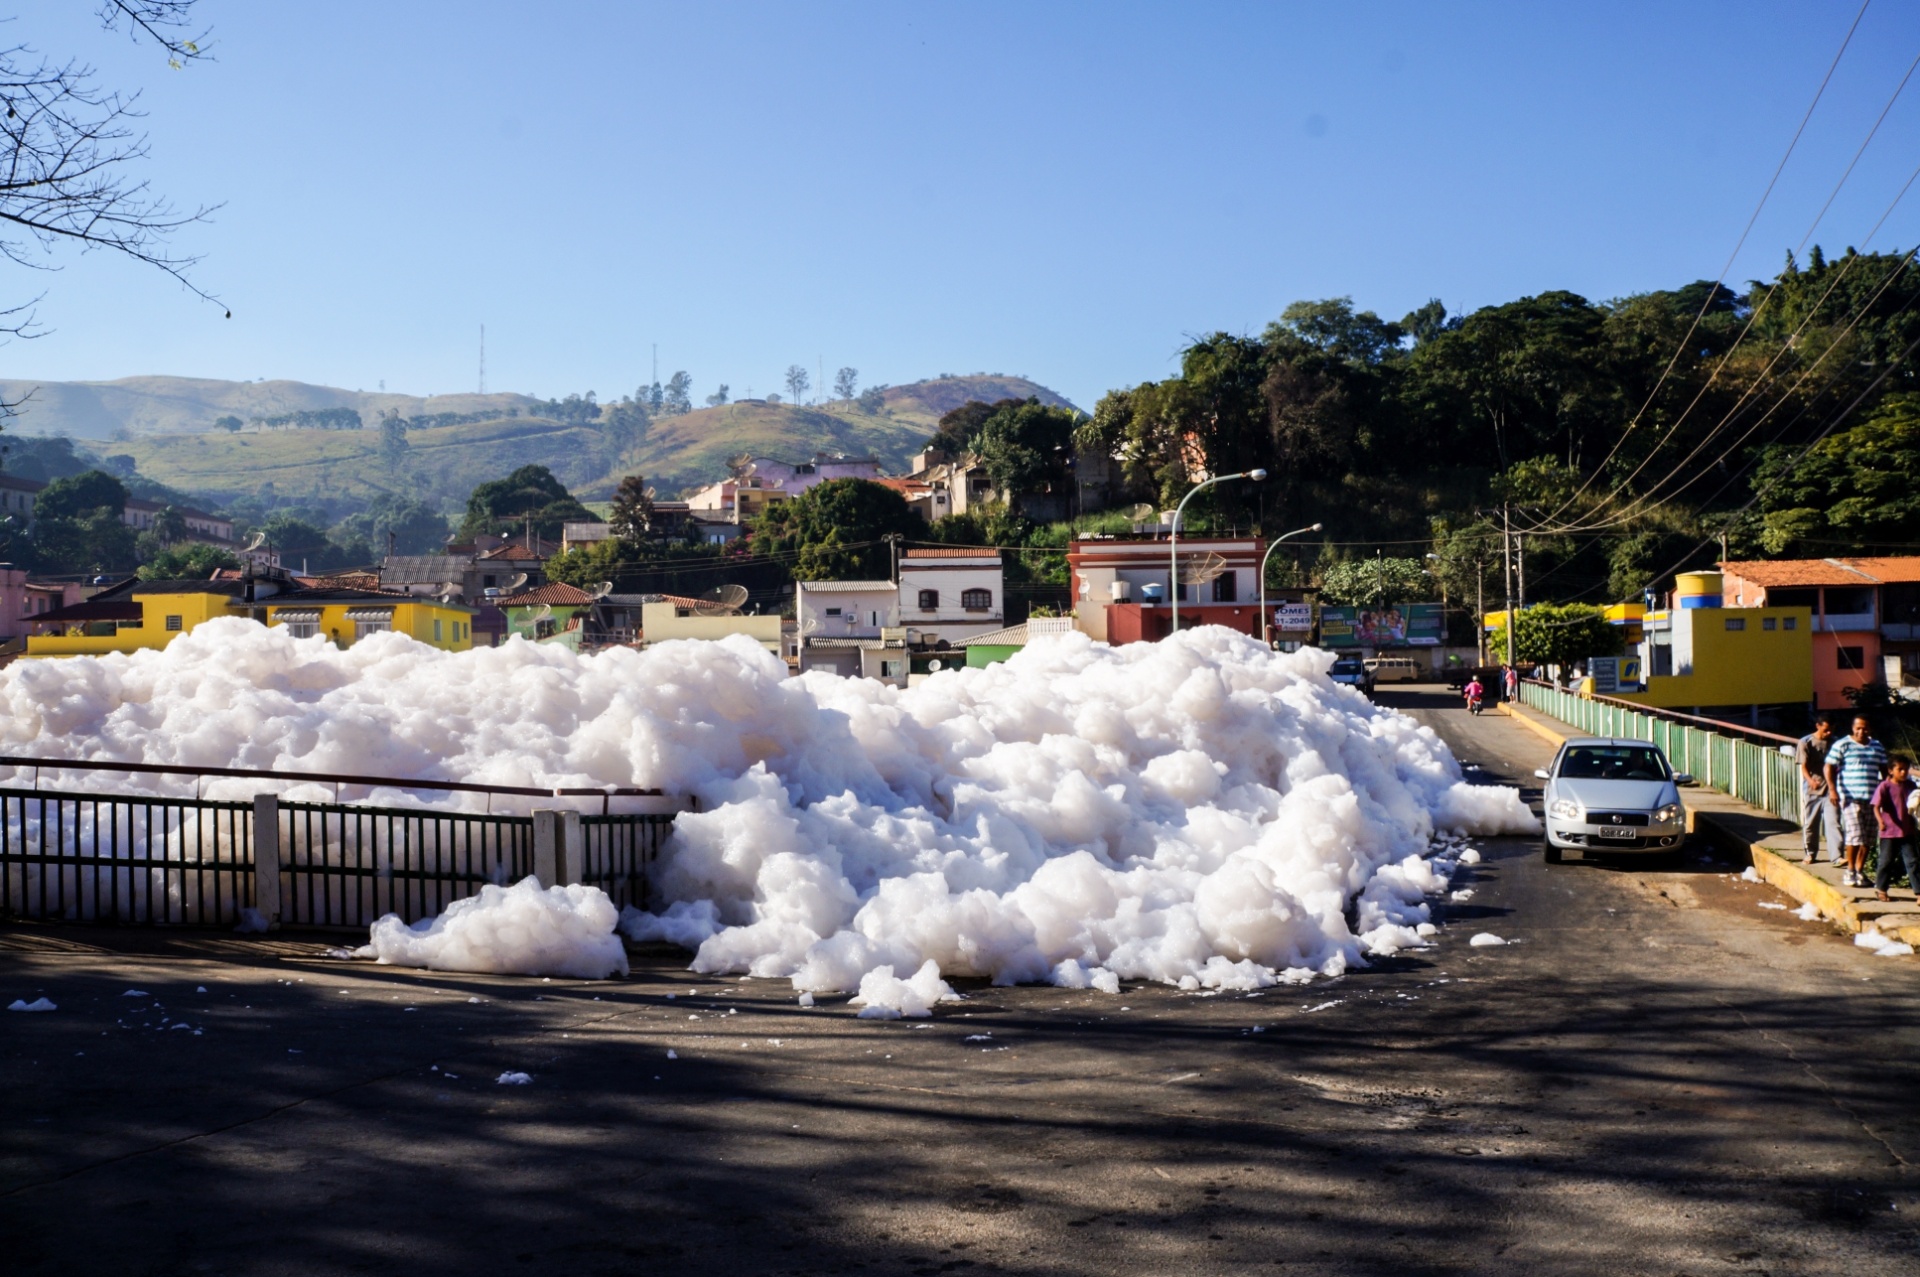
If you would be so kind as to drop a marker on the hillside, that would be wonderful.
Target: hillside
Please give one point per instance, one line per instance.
(443, 464)
(134, 406)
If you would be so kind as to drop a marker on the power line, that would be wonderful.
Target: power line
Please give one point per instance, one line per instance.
(1712, 293)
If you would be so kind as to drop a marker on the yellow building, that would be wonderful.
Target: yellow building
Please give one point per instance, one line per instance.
(151, 614)
(672, 618)
(1721, 657)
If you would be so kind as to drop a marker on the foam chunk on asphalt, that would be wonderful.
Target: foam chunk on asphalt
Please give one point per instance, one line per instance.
(1750, 874)
(513, 1078)
(1885, 946)
(1485, 939)
(38, 1004)
(882, 996)
(1808, 912)
(519, 930)
(1198, 808)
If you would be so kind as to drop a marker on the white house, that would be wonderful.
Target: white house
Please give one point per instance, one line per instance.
(851, 628)
(951, 593)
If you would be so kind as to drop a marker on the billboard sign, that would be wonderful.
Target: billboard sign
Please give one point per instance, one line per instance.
(1405, 625)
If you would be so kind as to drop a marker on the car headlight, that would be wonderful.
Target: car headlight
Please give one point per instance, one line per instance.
(1667, 815)
(1564, 809)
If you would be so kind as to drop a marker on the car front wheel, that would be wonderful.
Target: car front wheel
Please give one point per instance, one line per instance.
(1549, 852)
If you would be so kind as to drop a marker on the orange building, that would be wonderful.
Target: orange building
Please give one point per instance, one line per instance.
(1866, 616)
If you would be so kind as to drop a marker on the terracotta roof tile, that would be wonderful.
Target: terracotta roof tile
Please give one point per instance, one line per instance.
(1782, 573)
(553, 593)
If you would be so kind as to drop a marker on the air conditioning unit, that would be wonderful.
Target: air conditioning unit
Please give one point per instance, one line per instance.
(1122, 591)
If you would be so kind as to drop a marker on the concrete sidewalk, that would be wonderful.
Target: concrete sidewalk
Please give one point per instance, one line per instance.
(1773, 846)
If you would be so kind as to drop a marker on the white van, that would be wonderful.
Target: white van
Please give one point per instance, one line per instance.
(1395, 669)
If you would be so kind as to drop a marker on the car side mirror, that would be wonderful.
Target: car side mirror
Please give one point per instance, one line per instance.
(1543, 773)
(1683, 778)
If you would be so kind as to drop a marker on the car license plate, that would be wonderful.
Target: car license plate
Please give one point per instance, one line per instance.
(1607, 831)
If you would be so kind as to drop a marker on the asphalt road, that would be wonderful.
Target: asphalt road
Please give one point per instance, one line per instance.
(1657, 1076)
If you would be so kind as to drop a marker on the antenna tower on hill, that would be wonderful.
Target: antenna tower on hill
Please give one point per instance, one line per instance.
(483, 359)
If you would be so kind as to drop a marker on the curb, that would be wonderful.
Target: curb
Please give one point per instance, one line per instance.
(1532, 724)
(1780, 867)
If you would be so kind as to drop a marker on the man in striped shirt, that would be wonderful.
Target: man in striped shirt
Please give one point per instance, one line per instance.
(1855, 768)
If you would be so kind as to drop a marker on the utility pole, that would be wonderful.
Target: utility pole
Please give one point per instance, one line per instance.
(656, 365)
(1506, 557)
(1480, 608)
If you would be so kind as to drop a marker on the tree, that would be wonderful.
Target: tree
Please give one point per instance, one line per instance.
(959, 430)
(798, 382)
(836, 530)
(718, 397)
(632, 516)
(1561, 635)
(229, 423)
(1855, 490)
(873, 399)
(677, 399)
(169, 526)
(68, 151)
(81, 495)
(98, 540)
(1377, 582)
(409, 525)
(846, 383)
(393, 440)
(195, 562)
(504, 504)
(1026, 446)
(298, 539)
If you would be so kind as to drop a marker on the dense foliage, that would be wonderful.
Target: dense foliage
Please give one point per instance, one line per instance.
(836, 531)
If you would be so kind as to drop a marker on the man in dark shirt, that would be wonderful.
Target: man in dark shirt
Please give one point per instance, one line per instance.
(1818, 815)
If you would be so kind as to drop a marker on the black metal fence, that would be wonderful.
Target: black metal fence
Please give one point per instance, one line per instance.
(145, 859)
(124, 858)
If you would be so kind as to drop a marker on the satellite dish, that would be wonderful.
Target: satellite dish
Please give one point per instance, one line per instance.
(603, 589)
(542, 613)
(653, 494)
(1141, 513)
(449, 591)
(519, 579)
(936, 665)
(1198, 569)
(722, 600)
(259, 539)
(809, 625)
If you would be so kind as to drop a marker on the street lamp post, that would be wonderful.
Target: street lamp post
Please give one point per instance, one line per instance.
(1263, 576)
(1173, 541)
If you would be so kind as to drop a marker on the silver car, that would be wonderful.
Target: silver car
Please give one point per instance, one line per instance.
(1612, 795)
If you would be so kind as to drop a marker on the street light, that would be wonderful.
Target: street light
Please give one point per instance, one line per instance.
(1263, 576)
(1173, 542)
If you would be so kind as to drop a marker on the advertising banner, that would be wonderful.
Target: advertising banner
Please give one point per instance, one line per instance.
(1403, 625)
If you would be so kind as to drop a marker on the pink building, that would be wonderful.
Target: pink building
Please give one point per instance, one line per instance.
(21, 600)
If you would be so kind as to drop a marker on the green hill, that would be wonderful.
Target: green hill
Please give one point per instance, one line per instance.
(444, 463)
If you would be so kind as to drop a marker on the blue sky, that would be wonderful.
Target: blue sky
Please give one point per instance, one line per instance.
(1067, 191)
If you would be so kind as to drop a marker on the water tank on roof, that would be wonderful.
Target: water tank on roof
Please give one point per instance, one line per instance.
(1152, 592)
(1697, 589)
(1122, 591)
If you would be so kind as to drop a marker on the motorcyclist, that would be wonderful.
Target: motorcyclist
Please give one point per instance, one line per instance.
(1475, 691)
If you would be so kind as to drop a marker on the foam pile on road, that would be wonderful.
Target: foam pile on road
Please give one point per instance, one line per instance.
(517, 930)
(1198, 811)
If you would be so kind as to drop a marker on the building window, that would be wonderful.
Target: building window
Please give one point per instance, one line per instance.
(890, 669)
(302, 629)
(833, 611)
(873, 619)
(1225, 588)
(1850, 658)
(173, 625)
(1789, 622)
(436, 630)
(488, 582)
(363, 628)
(1766, 622)
(929, 600)
(1736, 622)
(1851, 600)
(976, 600)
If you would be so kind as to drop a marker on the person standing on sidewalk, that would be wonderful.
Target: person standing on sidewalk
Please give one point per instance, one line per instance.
(1510, 683)
(1855, 768)
(1893, 808)
(1819, 818)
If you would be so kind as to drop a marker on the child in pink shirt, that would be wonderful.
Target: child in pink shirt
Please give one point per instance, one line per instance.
(1893, 806)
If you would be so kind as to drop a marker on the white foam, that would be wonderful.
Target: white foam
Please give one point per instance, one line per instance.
(882, 996)
(519, 930)
(1750, 874)
(1808, 912)
(38, 1004)
(1485, 939)
(1195, 809)
(511, 1078)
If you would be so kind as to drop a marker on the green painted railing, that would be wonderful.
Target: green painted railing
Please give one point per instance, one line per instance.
(1740, 761)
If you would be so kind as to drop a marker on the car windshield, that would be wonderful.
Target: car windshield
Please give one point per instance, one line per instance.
(1348, 667)
(1613, 762)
